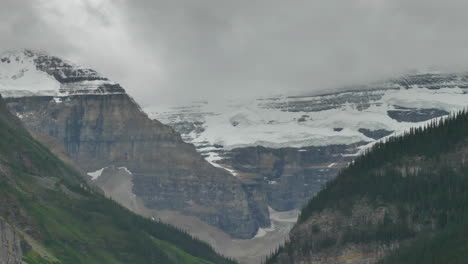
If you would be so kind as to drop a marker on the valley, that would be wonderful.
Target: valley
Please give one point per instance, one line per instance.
(234, 174)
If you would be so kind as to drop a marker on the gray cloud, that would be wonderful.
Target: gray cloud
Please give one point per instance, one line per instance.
(184, 50)
(21, 27)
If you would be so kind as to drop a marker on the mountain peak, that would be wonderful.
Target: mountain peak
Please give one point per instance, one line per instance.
(36, 73)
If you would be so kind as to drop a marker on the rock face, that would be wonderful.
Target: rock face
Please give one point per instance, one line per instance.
(284, 148)
(321, 232)
(288, 176)
(99, 126)
(10, 244)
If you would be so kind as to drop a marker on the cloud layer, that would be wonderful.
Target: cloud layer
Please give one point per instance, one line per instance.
(182, 50)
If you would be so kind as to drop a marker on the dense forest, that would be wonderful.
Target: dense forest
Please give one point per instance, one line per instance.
(62, 219)
(419, 180)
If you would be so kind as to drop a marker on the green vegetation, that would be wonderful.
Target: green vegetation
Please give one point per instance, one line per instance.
(33, 257)
(178, 256)
(424, 175)
(50, 203)
(449, 245)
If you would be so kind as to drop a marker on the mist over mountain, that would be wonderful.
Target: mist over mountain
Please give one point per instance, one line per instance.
(217, 131)
(254, 163)
(160, 50)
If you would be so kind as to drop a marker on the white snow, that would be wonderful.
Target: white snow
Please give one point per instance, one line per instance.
(19, 77)
(125, 169)
(234, 124)
(260, 233)
(96, 174)
(213, 157)
(243, 123)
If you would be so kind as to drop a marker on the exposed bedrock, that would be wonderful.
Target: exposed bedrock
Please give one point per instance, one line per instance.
(10, 241)
(98, 131)
(288, 177)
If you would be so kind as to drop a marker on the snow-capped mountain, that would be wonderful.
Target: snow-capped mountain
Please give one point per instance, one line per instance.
(301, 121)
(92, 122)
(29, 73)
(290, 145)
(274, 152)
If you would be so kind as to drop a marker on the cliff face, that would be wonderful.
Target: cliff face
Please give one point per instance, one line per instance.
(100, 126)
(10, 245)
(288, 176)
(327, 237)
(49, 214)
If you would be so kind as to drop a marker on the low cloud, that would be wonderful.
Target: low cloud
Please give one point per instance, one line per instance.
(182, 50)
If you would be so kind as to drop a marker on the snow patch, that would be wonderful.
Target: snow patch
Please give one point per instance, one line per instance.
(213, 157)
(260, 233)
(125, 169)
(20, 77)
(96, 174)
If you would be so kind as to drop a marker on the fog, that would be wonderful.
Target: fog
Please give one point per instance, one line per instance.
(182, 50)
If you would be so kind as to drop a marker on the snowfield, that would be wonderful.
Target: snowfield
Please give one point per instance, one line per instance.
(281, 121)
(20, 76)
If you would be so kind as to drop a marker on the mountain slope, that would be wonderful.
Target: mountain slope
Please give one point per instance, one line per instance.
(405, 201)
(284, 148)
(297, 143)
(49, 214)
(91, 121)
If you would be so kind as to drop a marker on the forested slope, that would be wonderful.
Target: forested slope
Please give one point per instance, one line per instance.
(404, 201)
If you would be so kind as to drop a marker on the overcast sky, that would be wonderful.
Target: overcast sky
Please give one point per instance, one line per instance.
(180, 50)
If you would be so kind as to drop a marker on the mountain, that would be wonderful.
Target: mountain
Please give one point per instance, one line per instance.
(285, 148)
(290, 146)
(50, 214)
(93, 123)
(404, 201)
(268, 156)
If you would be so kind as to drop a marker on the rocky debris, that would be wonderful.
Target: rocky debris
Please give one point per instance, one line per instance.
(415, 115)
(375, 134)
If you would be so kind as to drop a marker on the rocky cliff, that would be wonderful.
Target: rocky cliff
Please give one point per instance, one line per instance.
(288, 176)
(10, 244)
(100, 126)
